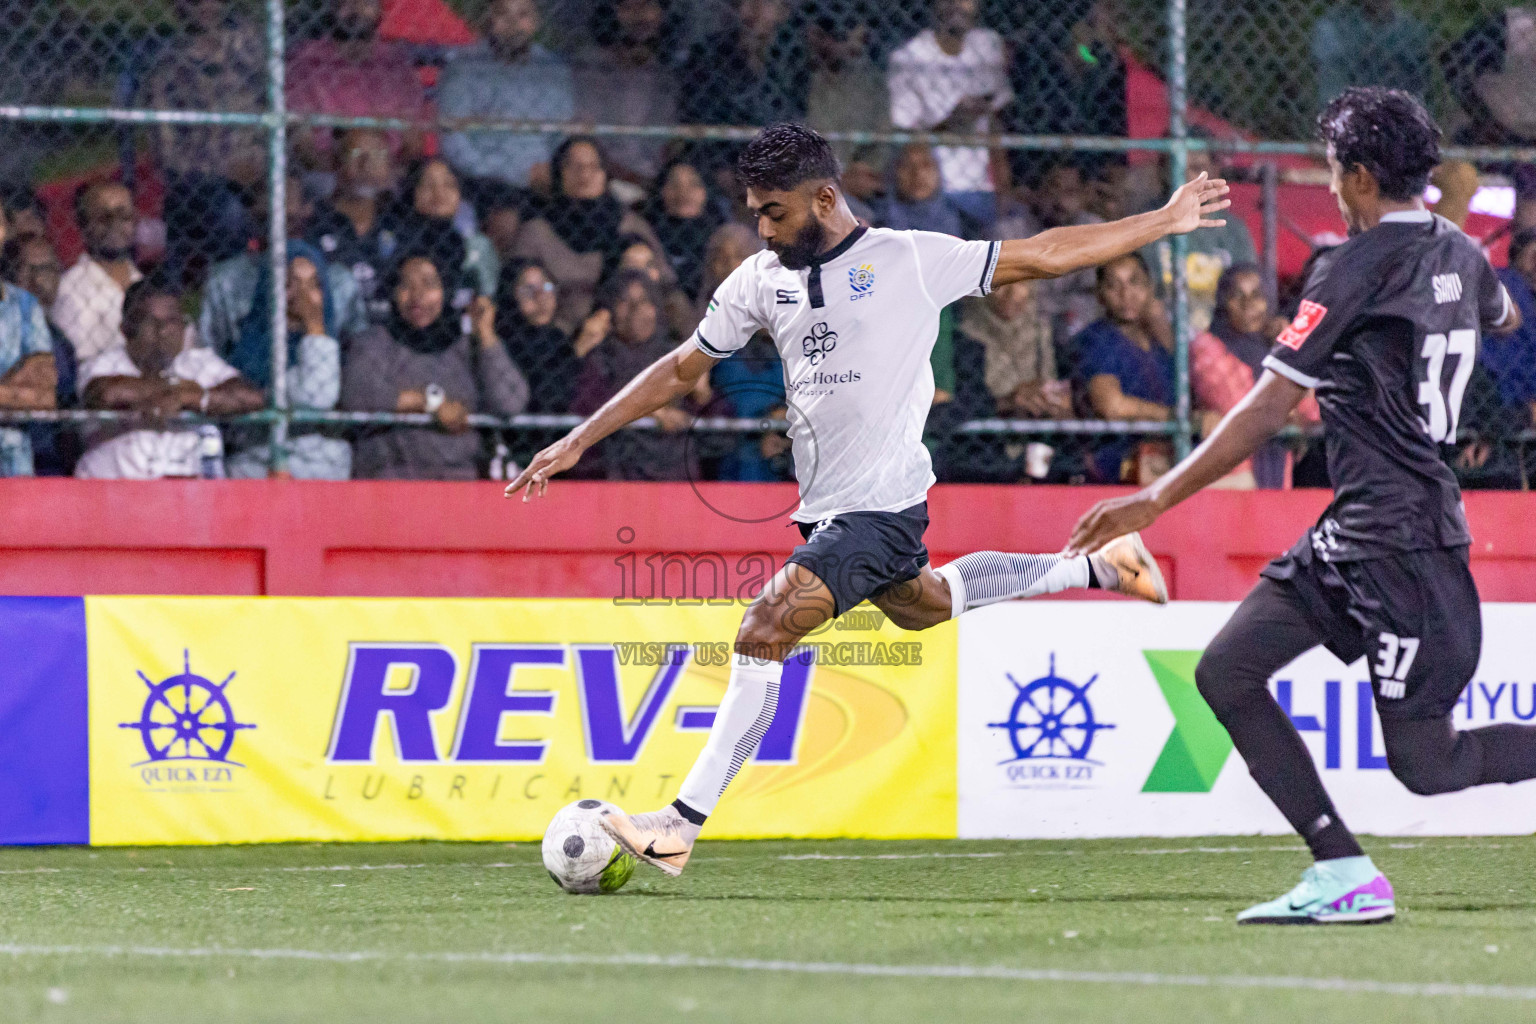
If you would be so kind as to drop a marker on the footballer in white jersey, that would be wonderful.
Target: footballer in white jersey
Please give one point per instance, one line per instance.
(854, 312)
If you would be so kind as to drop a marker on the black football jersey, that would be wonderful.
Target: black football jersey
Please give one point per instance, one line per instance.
(1388, 334)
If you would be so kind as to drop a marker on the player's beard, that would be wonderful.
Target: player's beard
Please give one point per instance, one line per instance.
(807, 244)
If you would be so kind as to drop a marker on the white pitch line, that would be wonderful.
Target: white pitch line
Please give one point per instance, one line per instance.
(1456, 990)
(1153, 852)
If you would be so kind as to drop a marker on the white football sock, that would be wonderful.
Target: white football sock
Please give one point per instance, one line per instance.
(987, 577)
(740, 724)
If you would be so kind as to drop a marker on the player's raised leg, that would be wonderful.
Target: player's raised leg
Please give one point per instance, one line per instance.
(1123, 566)
(794, 603)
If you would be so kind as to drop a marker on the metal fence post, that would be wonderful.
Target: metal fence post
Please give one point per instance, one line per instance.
(277, 250)
(1178, 163)
(1269, 258)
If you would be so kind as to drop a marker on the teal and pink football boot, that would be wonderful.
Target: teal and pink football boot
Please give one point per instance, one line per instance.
(1348, 890)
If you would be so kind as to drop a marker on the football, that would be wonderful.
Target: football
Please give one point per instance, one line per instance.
(579, 855)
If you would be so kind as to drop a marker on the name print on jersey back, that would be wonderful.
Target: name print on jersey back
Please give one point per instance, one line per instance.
(1447, 288)
(1388, 336)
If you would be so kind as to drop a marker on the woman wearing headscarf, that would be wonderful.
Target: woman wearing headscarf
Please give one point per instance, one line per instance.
(577, 228)
(638, 338)
(313, 368)
(432, 204)
(683, 217)
(427, 359)
(1225, 361)
(636, 252)
(551, 359)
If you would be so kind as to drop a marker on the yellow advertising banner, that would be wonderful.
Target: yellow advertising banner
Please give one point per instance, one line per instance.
(230, 720)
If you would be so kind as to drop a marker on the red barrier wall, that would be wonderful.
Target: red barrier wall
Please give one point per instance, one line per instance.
(593, 539)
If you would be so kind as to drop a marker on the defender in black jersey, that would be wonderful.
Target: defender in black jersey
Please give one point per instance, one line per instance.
(1387, 334)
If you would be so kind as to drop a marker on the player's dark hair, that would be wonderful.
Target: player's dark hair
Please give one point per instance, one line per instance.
(1386, 131)
(1102, 272)
(784, 156)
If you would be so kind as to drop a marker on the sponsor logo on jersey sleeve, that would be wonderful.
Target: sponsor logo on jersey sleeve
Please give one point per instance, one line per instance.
(1307, 318)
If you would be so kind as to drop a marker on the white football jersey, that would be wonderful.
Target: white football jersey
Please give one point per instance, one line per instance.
(855, 331)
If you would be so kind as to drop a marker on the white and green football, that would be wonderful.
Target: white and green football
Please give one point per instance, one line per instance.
(580, 855)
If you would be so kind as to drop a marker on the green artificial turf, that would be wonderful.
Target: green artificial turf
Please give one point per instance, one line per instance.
(422, 932)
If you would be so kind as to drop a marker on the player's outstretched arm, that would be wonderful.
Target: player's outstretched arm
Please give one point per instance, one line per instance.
(1251, 422)
(664, 381)
(1062, 250)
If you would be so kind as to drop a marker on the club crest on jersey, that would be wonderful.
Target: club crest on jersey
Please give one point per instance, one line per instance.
(1307, 318)
(862, 280)
(819, 343)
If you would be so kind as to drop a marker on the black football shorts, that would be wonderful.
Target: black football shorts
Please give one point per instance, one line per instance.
(860, 555)
(1414, 616)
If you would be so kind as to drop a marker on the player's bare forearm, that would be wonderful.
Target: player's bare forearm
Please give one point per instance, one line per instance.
(663, 382)
(1060, 251)
(1063, 250)
(1251, 422)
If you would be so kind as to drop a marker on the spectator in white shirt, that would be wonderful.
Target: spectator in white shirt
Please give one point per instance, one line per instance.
(953, 77)
(154, 373)
(89, 309)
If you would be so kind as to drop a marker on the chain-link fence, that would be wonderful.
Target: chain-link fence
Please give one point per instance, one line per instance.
(421, 238)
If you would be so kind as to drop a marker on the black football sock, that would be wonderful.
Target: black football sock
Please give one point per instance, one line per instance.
(1280, 763)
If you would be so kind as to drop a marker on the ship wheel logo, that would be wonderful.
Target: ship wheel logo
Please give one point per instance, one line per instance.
(1051, 718)
(187, 718)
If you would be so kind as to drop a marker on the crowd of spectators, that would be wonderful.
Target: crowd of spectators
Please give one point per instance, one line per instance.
(471, 271)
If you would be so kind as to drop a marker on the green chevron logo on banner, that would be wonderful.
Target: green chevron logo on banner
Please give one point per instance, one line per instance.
(1197, 749)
